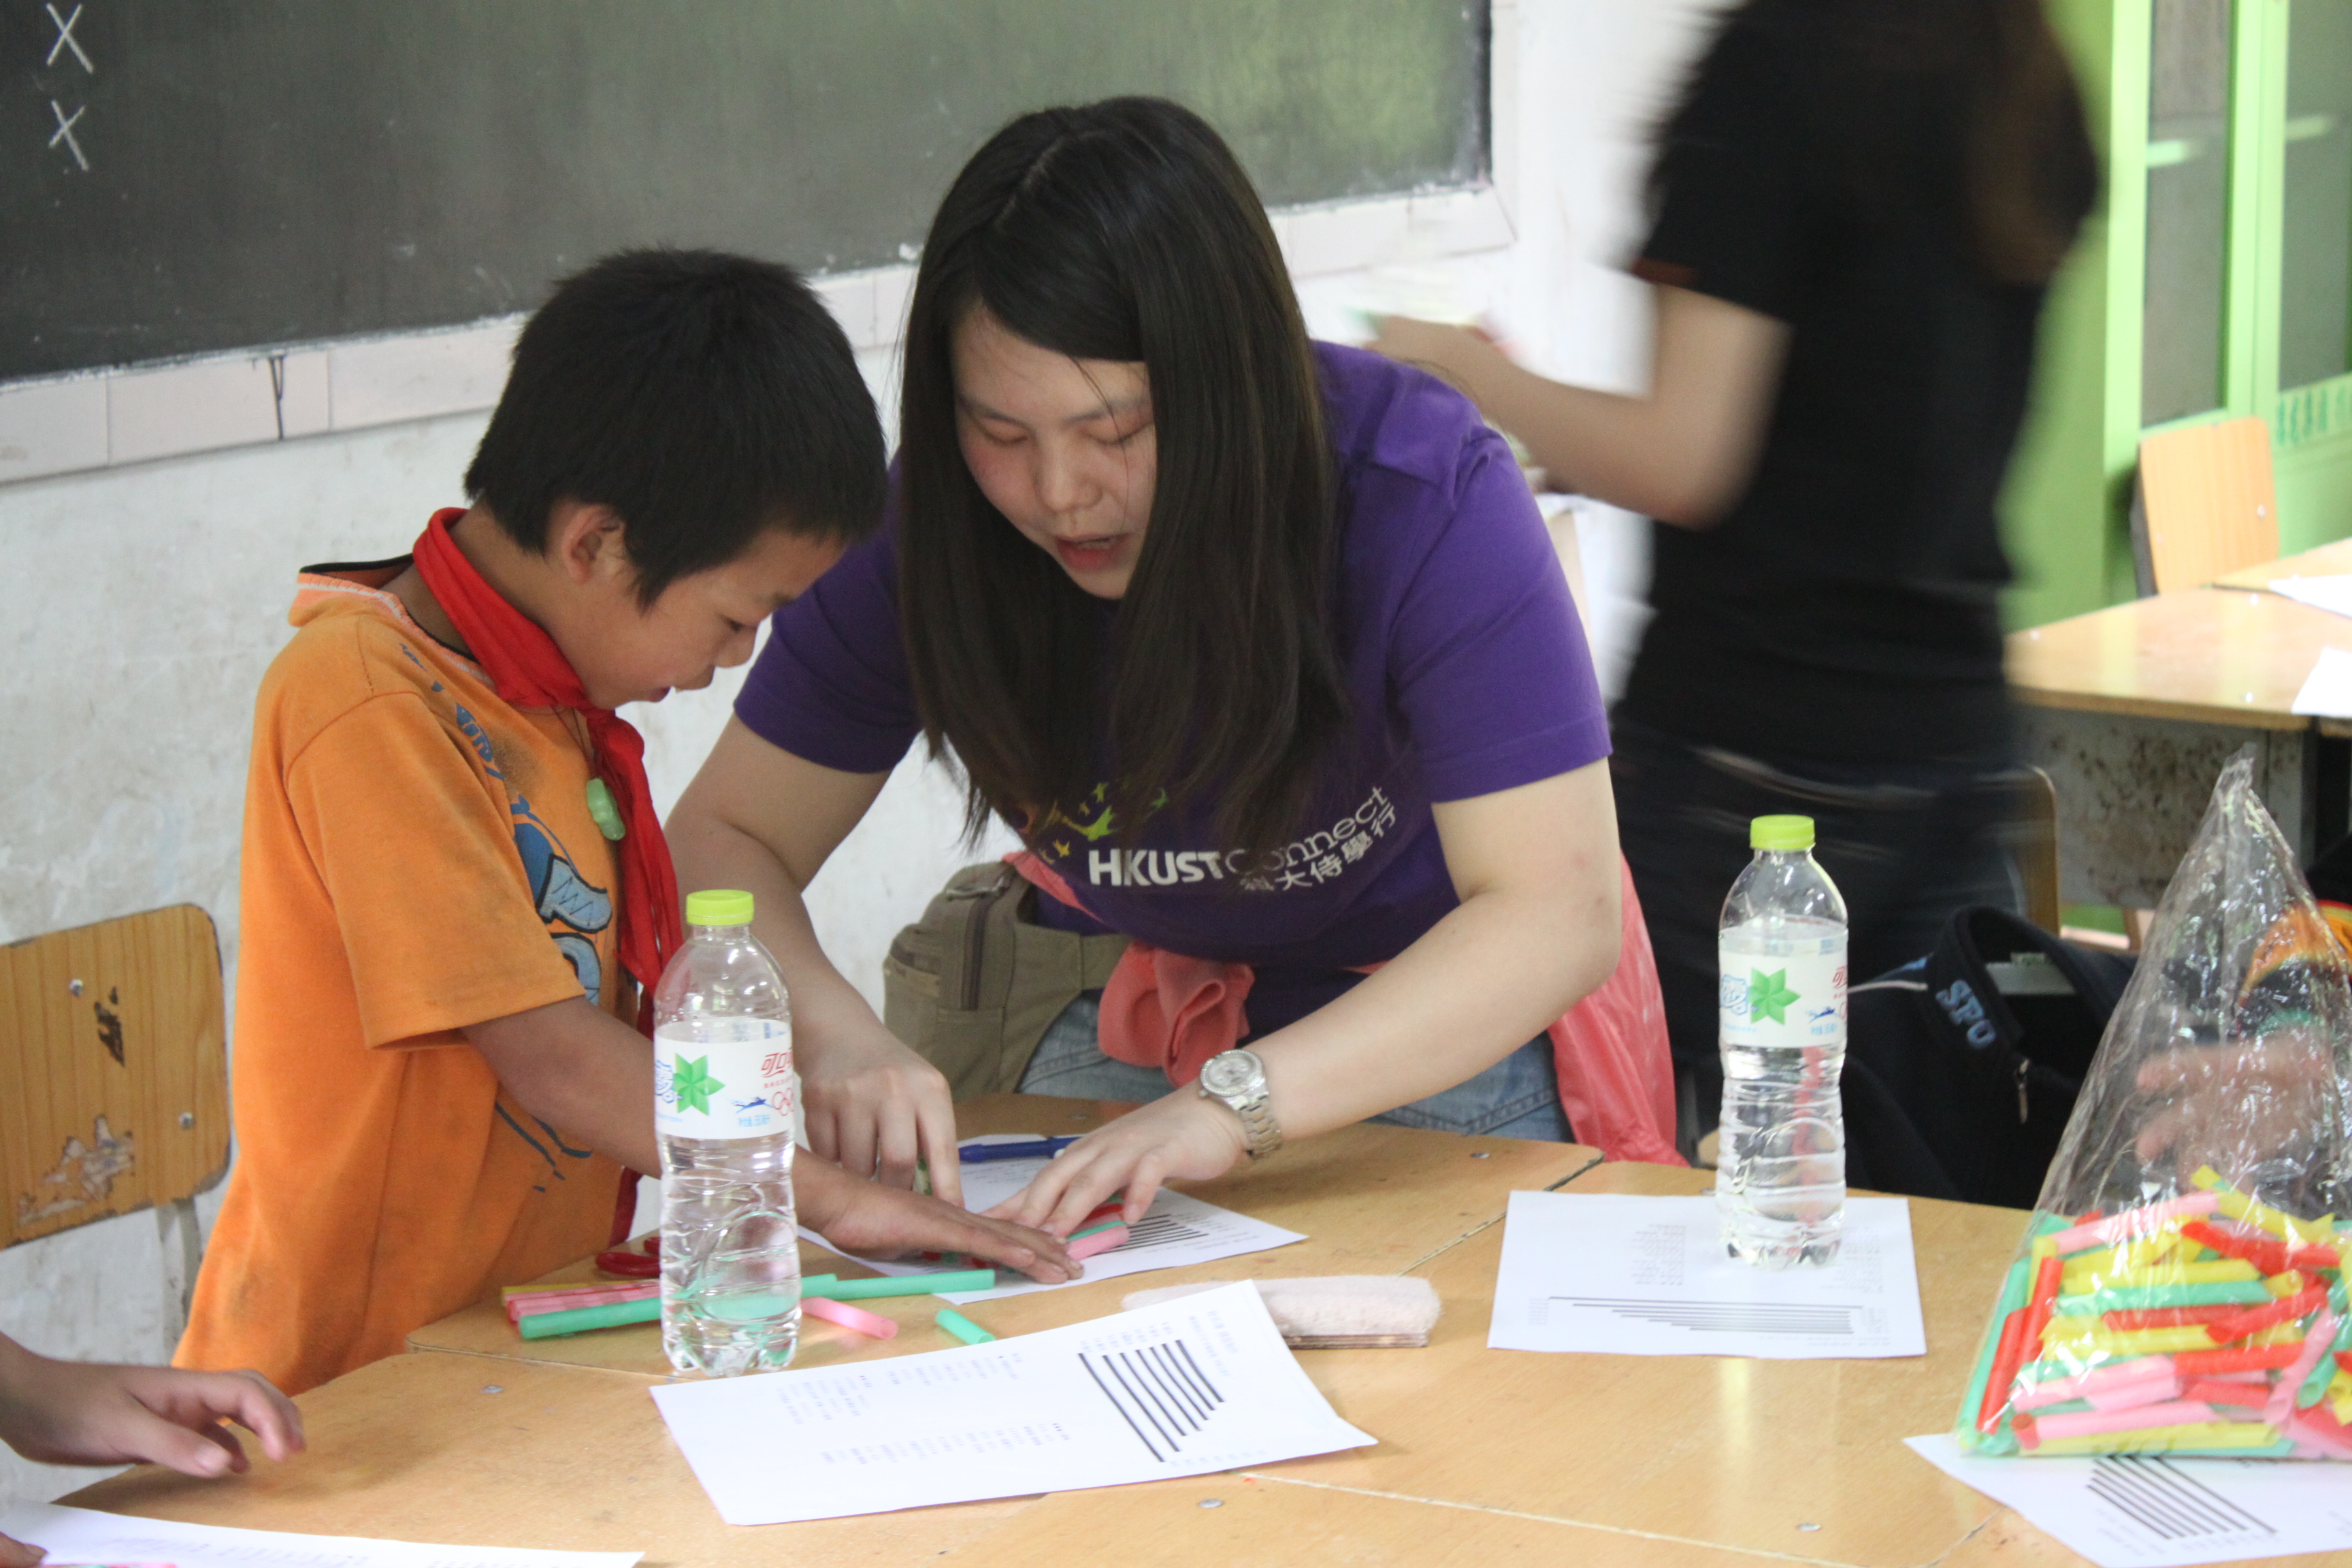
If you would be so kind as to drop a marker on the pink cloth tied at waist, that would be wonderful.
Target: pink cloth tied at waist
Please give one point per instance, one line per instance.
(1172, 1013)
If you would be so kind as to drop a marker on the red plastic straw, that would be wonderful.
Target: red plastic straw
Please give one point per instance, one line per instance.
(2169, 1317)
(2253, 1319)
(2267, 1254)
(2046, 1280)
(2213, 1391)
(2244, 1358)
(2006, 1356)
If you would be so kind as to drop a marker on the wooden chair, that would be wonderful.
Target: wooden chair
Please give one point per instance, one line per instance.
(2035, 847)
(2203, 504)
(114, 1087)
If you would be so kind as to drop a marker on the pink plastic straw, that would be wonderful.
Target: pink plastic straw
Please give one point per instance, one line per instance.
(2156, 1369)
(1100, 1241)
(849, 1317)
(2132, 1395)
(2311, 1433)
(558, 1292)
(2315, 1344)
(521, 1307)
(2084, 1423)
(2133, 1224)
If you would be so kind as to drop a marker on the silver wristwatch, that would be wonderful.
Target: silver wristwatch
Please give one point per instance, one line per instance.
(1237, 1078)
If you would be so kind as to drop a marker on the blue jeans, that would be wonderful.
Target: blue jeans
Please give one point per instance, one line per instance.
(1518, 1096)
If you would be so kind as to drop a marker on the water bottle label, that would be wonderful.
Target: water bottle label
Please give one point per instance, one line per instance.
(1794, 1001)
(732, 1088)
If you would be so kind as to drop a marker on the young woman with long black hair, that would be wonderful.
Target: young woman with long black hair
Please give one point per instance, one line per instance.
(1261, 645)
(1859, 206)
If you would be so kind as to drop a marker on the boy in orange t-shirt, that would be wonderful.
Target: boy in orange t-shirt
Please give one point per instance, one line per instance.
(454, 885)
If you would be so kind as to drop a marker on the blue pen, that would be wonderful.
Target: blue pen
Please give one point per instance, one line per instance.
(1030, 1149)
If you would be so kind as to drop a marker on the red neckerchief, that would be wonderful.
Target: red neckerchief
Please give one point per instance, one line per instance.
(529, 670)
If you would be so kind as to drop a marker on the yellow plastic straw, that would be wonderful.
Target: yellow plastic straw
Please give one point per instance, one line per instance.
(2228, 1271)
(2157, 1439)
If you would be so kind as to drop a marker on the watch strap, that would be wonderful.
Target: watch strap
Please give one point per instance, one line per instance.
(1261, 1131)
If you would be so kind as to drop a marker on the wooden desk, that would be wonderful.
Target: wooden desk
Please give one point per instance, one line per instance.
(569, 1451)
(2135, 709)
(1370, 1199)
(1681, 1462)
(418, 1447)
(2328, 561)
(1262, 1521)
(1718, 1451)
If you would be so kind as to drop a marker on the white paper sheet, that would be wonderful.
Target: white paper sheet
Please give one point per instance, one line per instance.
(1647, 1275)
(82, 1535)
(1194, 1387)
(2147, 1510)
(2328, 690)
(2331, 591)
(1174, 1231)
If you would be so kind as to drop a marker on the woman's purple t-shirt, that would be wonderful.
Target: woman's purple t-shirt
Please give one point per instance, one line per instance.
(1467, 673)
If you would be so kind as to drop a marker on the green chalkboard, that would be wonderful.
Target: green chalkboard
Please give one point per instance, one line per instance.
(187, 176)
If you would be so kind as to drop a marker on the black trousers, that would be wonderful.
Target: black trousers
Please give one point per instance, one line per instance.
(1905, 842)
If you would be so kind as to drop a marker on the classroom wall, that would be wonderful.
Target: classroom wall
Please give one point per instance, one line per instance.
(144, 603)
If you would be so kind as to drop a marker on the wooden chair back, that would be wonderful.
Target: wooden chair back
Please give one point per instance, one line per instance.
(2203, 504)
(114, 1084)
(2035, 847)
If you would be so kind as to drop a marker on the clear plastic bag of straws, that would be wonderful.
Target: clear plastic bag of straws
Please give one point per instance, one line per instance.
(2182, 1287)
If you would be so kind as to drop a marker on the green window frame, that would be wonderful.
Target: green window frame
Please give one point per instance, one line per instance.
(2067, 505)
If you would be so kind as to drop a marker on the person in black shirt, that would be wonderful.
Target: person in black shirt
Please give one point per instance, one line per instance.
(1857, 207)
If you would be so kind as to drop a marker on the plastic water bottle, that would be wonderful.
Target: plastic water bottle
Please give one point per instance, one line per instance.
(723, 1090)
(1780, 1178)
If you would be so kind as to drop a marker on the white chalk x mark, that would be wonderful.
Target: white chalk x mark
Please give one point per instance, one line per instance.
(65, 131)
(66, 39)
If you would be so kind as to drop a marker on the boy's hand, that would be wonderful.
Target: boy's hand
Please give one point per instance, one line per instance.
(873, 1106)
(874, 1221)
(70, 1413)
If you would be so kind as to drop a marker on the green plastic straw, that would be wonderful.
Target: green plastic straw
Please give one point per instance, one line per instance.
(579, 1320)
(961, 1327)
(2139, 1297)
(904, 1285)
(617, 1314)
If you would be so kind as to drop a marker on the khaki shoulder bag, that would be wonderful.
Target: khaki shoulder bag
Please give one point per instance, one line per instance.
(973, 986)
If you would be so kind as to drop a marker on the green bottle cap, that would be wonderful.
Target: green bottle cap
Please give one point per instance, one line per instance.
(718, 907)
(1780, 833)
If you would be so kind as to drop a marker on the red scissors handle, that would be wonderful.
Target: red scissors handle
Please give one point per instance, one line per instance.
(643, 1264)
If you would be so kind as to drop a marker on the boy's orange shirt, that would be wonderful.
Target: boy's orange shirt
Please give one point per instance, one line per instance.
(418, 857)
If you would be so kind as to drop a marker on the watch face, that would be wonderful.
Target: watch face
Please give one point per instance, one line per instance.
(1229, 1072)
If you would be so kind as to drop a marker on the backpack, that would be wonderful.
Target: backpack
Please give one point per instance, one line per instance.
(975, 984)
(1960, 1076)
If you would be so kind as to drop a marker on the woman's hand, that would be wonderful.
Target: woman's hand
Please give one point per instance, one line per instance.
(871, 1221)
(2236, 1106)
(873, 1107)
(758, 818)
(73, 1412)
(1682, 452)
(1184, 1135)
(1456, 355)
